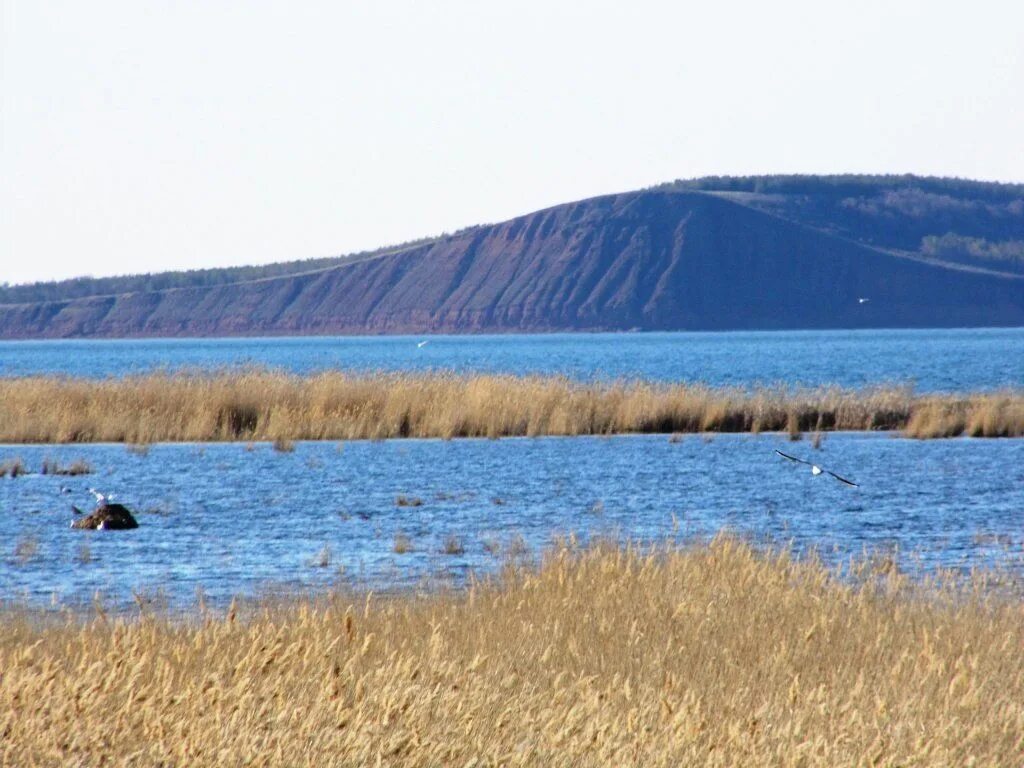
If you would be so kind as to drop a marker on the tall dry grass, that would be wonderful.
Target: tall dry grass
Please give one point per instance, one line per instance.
(995, 415)
(608, 657)
(261, 405)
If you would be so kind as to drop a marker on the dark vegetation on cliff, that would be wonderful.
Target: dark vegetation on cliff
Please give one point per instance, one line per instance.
(971, 222)
(714, 253)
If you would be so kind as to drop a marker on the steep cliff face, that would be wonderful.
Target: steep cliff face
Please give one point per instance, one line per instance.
(647, 260)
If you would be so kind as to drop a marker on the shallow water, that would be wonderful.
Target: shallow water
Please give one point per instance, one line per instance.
(238, 521)
(932, 360)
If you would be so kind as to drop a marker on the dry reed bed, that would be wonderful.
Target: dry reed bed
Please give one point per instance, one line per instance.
(717, 656)
(262, 405)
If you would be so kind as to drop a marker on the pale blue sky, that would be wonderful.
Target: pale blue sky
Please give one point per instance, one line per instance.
(142, 136)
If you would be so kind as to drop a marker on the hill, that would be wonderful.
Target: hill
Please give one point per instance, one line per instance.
(717, 253)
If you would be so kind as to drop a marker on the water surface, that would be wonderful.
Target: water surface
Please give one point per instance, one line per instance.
(931, 360)
(238, 521)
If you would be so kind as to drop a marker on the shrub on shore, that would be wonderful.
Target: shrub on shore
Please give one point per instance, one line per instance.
(607, 656)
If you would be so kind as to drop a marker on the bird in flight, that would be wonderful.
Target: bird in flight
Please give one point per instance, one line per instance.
(816, 470)
(422, 344)
(863, 301)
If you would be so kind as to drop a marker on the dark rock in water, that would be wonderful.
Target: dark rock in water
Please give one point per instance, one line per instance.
(107, 517)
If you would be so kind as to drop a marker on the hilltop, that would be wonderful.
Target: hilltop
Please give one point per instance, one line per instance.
(765, 252)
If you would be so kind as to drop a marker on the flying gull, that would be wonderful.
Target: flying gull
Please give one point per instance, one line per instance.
(816, 470)
(422, 344)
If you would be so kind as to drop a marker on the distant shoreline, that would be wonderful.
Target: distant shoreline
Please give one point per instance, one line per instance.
(256, 406)
(495, 332)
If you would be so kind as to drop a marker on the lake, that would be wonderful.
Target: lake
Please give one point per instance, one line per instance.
(931, 360)
(235, 520)
(231, 519)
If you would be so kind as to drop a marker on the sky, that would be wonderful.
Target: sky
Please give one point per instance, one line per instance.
(148, 135)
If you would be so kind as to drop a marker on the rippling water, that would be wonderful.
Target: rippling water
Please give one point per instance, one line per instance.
(237, 521)
(932, 360)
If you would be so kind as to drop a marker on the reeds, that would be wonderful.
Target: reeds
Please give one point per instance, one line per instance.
(84, 555)
(26, 548)
(453, 545)
(283, 445)
(995, 415)
(75, 468)
(608, 657)
(13, 467)
(269, 406)
(322, 559)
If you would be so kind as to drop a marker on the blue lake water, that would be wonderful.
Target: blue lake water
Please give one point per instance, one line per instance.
(238, 520)
(931, 360)
(233, 521)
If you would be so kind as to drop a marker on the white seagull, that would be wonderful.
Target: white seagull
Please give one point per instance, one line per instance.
(816, 470)
(863, 301)
(423, 344)
(101, 498)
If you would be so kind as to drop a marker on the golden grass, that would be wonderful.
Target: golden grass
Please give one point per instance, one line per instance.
(269, 406)
(717, 656)
(997, 415)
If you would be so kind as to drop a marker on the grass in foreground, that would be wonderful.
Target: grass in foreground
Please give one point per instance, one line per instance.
(716, 656)
(260, 405)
